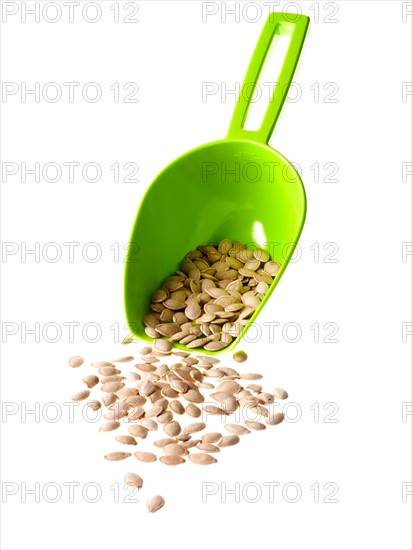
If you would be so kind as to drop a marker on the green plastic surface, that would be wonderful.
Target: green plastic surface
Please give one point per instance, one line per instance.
(237, 188)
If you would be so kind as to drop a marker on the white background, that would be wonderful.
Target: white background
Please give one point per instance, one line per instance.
(170, 52)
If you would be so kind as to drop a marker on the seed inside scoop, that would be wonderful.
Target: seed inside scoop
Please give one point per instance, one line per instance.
(208, 302)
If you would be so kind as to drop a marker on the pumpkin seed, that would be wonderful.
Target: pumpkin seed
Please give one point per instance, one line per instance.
(280, 394)
(94, 405)
(76, 361)
(229, 441)
(126, 439)
(144, 456)
(155, 503)
(275, 418)
(133, 480)
(91, 380)
(255, 425)
(172, 460)
(202, 458)
(237, 429)
(81, 395)
(109, 426)
(117, 456)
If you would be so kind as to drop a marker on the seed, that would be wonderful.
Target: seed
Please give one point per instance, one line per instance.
(164, 346)
(179, 386)
(229, 405)
(146, 350)
(240, 356)
(212, 409)
(161, 443)
(90, 380)
(146, 388)
(212, 437)
(172, 460)
(126, 359)
(145, 456)
(108, 371)
(154, 412)
(255, 425)
(193, 396)
(193, 410)
(172, 428)
(272, 268)
(261, 255)
(126, 439)
(175, 449)
(237, 429)
(109, 398)
(128, 339)
(195, 427)
(280, 394)
(76, 361)
(230, 387)
(133, 480)
(81, 395)
(115, 414)
(136, 412)
(275, 418)
(229, 440)
(100, 364)
(112, 387)
(165, 417)
(208, 447)
(155, 503)
(117, 456)
(125, 393)
(150, 424)
(202, 458)
(94, 405)
(251, 376)
(109, 426)
(138, 431)
(178, 408)
(265, 397)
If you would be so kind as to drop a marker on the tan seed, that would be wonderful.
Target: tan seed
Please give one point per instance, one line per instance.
(175, 449)
(280, 394)
(202, 458)
(193, 410)
(133, 480)
(172, 428)
(137, 430)
(164, 346)
(195, 427)
(172, 460)
(161, 443)
(275, 418)
(112, 387)
(255, 425)
(155, 503)
(81, 395)
(109, 426)
(117, 456)
(76, 361)
(94, 405)
(150, 424)
(208, 447)
(237, 429)
(126, 439)
(125, 359)
(229, 440)
(178, 408)
(212, 437)
(145, 456)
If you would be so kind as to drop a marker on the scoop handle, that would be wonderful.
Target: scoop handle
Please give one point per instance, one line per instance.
(276, 24)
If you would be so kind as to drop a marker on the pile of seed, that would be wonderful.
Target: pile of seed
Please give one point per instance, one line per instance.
(157, 395)
(209, 301)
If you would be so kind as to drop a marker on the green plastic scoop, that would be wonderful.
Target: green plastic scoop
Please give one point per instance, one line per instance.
(237, 188)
